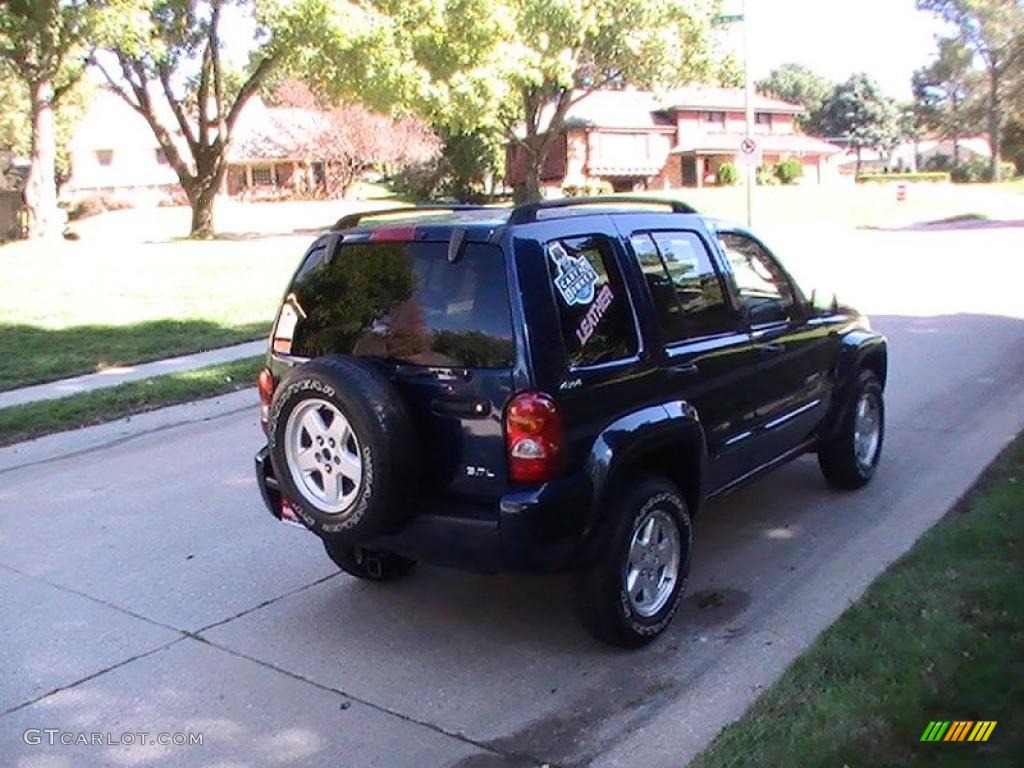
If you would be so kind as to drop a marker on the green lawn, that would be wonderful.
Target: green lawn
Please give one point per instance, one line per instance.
(939, 636)
(849, 205)
(24, 422)
(77, 307)
(133, 289)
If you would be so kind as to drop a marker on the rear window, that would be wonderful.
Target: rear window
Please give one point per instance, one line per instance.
(597, 323)
(402, 302)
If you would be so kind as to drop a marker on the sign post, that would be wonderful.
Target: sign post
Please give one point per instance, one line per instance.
(751, 158)
(748, 98)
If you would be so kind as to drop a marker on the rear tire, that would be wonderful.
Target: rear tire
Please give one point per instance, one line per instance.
(368, 564)
(344, 449)
(848, 461)
(630, 594)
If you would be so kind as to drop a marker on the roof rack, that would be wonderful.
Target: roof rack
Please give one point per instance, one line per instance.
(353, 219)
(524, 214)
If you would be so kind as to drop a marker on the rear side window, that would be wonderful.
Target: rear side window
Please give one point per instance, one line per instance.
(685, 287)
(404, 302)
(596, 319)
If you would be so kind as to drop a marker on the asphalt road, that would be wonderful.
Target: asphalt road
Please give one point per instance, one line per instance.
(144, 589)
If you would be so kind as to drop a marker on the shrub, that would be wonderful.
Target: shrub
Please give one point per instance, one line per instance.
(972, 171)
(97, 203)
(422, 181)
(1007, 170)
(592, 189)
(789, 170)
(765, 176)
(727, 175)
(935, 177)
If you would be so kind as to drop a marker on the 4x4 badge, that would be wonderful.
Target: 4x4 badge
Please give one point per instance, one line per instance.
(576, 278)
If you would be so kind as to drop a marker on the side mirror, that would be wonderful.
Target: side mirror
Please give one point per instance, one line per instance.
(823, 302)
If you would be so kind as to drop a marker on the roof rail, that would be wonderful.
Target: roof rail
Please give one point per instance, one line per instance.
(526, 213)
(353, 219)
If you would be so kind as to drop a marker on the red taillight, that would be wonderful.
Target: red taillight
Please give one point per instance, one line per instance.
(266, 385)
(395, 234)
(533, 434)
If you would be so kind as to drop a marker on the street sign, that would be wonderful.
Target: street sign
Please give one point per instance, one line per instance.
(750, 151)
(728, 18)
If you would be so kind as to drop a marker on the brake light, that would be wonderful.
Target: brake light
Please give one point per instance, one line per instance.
(266, 385)
(533, 434)
(397, 234)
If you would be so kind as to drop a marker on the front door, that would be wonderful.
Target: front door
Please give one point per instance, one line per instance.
(794, 383)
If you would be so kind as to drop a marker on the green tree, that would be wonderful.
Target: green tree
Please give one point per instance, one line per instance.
(16, 129)
(564, 50)
(858, 113)
(44, 45)
(516, 67)
(992, 31)
(802, 85)
(943, 93)
(173, 75)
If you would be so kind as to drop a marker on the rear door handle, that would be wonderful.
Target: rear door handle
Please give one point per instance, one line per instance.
(771, 349)
(683, 369)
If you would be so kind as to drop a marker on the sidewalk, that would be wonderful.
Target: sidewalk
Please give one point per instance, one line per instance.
(111, 377)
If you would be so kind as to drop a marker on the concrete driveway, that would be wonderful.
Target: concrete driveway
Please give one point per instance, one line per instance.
(144, 588)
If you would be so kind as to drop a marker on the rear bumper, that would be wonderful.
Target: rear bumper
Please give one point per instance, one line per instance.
(535, 529)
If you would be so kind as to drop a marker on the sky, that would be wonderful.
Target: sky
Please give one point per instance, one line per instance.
(888, 39)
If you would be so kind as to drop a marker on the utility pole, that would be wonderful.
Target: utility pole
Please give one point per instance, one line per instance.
(748, 104)
(748, 99)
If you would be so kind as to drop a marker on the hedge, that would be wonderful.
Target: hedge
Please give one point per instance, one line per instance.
(933, 177)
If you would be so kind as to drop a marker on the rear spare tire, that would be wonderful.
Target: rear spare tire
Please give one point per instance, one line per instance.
(343, 448)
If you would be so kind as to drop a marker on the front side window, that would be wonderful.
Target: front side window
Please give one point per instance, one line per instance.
(404, 302)
(596, 318)
(765, 293)
(685, 288)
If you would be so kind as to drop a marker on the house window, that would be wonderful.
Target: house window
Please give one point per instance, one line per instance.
(262, 176)
(714, 118)
(161, 157)
(104, 156)
(763, 118)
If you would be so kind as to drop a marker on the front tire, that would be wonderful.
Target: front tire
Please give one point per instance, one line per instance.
(368, 564)
(848, 461)
(630, 594)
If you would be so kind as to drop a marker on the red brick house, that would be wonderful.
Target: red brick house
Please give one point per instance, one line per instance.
(640, 140)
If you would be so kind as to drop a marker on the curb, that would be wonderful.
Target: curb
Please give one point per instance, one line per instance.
(61, 445)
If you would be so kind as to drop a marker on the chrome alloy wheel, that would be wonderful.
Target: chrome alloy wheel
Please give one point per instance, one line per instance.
(867, 429)
(323, 455)
(653, 567)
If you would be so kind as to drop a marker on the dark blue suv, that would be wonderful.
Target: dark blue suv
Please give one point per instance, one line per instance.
(561, 385)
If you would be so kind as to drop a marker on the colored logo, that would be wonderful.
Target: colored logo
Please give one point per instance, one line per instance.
(576, 277)
(958, 730)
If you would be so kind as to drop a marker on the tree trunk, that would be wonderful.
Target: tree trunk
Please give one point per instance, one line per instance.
(856, 171)
(994, 126)
(201, 194)
(529, 190)
(41, 185)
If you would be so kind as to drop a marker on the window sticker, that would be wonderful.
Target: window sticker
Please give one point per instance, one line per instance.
(590, 320)
(576, 277)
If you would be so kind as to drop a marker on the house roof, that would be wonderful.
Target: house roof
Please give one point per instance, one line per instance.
(729, 143)
(724, 99)
(274, 133)
(646, 110)
(616, 109)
